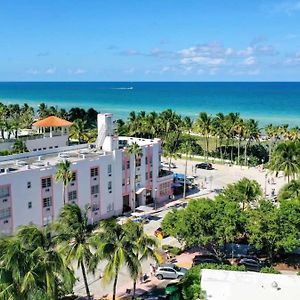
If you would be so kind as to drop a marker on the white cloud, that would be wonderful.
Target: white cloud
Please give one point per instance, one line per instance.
(77, 71)
(33, 71)
(288, 7)
(245, 52)
(130, 70)
(293, 59)
(50, 71)
(202, 61)
(249, 61)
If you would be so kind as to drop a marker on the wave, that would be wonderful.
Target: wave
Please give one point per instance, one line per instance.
(123, 88)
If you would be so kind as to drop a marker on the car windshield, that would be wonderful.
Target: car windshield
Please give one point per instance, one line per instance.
(176, 268)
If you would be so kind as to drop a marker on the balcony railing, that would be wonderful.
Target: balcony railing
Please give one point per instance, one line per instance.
(164, 173)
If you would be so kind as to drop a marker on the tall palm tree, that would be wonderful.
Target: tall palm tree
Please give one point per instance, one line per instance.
(239, 131)
(137, 152)
(187, 148)
(64, 174)
(115, 247)
(232, 120)
(170, 149)
(203, 125)
(286, 158)
(143, 247)
(78, 131)
(218, 130)
(31, 267)
(251, 133)
(74, 235)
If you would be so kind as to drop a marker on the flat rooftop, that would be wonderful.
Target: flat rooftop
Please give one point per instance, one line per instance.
(234, 285)
(50, 157)
(47, 158)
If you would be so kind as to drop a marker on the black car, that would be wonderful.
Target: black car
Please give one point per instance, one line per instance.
(251, 264)
(206, 259)
(206, 166)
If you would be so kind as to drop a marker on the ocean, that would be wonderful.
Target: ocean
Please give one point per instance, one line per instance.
(272, 102)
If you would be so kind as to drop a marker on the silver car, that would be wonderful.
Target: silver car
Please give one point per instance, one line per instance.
(169, 271)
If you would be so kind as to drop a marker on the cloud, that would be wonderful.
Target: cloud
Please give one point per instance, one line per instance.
(287, 7)
(199, 60)
(77, 71)
(293, 60)
(33, 71)
(129, 52)
(130, 70)
(249, 61)
(50, 71)
(42, 54)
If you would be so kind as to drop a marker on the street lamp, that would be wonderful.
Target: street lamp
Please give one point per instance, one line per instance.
(155, 195)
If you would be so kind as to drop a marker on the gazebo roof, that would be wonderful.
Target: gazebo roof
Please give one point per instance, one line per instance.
(52, 121)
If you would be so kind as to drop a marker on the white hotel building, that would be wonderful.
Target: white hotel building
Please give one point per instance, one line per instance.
(103, 178)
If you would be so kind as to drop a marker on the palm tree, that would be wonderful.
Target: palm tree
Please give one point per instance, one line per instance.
(218, 130)
(78, 131)
(64, 174)
(19, 146)
(170, 149)
(203, 125)
(116, 247)
(187, 148)
(135, 150)
(251, 133)
(32, 268)
(74, 235)
(239, 131)
(231, 121)
(143, 246)
(43, 111)
(286, 158)
(290, 190)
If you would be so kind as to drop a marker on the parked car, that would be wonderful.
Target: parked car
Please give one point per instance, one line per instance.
(206, 166)
(165, 164)
(251, 264)
(169, 271)
(141, 219)
(159, 233)
(208, 259)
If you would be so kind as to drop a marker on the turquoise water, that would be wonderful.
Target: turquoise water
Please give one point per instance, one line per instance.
(267, 102)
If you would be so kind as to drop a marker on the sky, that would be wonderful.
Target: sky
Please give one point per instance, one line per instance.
(149, 40)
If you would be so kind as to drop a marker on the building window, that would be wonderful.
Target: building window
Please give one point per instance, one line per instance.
(29, 205)
(146, 160)
(110, 207)
(109, 169)
(46, 182)
(74, 176)
(109, 185)
(150, 174)
(128, 164)
(4, 191)
(128, 181)
(94, 189)
(5, 213)
(4, 200)
(47, 202)
(72, 195)
(138, 178)
(138, 162)
(94, 172)
(123, 165)
(29, 184)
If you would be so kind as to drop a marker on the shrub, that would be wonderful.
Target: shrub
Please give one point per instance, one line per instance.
(270, 270)
(173, 250)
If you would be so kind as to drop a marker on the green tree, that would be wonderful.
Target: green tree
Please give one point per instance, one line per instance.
(78, 131)
(64, 174)
(116, 247)
(203, 125)
(75, 236)
(275, 229)
(32, 268)
(290, 191)
(137, 152)
(286, 158)
(19, 146)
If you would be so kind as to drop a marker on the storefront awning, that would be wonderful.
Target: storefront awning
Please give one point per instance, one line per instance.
(140, 190)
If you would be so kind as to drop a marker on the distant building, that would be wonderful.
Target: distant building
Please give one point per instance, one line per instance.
(233, 285)
(49, 133)
(103, 176)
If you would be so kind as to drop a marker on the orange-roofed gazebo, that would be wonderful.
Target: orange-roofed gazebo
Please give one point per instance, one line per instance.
(52, 125)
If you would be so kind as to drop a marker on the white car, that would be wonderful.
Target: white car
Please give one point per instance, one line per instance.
(165, 164)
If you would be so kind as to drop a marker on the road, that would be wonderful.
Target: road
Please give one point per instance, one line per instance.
(209, 181)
